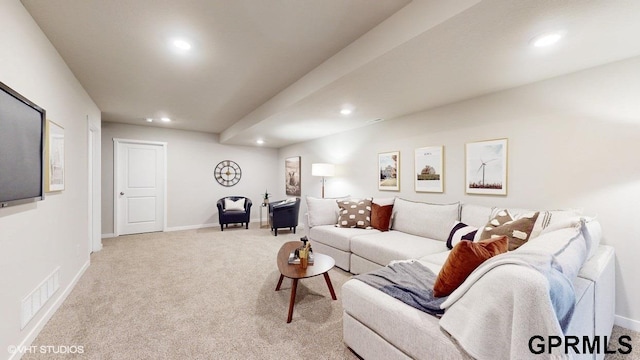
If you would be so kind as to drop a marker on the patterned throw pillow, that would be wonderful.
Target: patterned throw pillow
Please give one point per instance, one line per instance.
(460, 231)
(354, 214)
(517, 231)
(381, 216)
(463, 259)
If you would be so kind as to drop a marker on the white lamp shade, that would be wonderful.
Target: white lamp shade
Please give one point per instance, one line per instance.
(323, 169)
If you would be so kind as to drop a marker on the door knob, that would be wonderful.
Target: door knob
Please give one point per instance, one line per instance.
(121, 193)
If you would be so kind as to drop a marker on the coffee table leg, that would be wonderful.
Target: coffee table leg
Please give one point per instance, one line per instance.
(328, 280)
(279, 282)
(293, 299)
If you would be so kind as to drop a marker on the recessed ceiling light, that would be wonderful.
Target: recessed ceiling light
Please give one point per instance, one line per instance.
(149, 119)
(259, 141)
(346, 111)
(165, 119)
(181, 45)
(547, 39)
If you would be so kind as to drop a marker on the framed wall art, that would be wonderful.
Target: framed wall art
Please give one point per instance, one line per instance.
(486, 167)
(428, 173)
(54, 154)
(389, 171)
(292, 176)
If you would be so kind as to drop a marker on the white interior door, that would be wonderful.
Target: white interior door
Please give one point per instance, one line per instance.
(139, 186)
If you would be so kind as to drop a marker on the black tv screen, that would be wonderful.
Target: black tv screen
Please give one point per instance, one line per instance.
(22, 127)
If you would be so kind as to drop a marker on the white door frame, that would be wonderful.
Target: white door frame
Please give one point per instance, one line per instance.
(118, 141)
(95, 193)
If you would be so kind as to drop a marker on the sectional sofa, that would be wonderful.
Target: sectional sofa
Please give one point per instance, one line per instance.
(378, 326)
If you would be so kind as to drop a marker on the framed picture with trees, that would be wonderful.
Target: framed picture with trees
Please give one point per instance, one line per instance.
(389, 171)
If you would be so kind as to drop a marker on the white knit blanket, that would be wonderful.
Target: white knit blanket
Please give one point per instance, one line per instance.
(506, 301)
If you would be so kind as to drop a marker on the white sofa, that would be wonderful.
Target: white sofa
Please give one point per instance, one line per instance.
(377, 326)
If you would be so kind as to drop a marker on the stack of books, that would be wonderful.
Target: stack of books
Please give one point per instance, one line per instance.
(294, 259)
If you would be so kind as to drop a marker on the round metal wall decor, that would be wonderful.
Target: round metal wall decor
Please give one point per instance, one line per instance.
(228, 173)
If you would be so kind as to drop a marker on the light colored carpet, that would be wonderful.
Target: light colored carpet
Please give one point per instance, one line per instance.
(203, 294)
(197, 294)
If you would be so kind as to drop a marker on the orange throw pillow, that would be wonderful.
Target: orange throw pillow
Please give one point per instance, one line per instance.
(465, 257)
(381, 216)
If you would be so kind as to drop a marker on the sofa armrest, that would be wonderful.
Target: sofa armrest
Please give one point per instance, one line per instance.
(600, 269)
(280, 207)
(307, 223)
(595, 267)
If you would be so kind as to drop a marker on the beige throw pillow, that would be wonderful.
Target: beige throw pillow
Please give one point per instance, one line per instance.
(518, 231)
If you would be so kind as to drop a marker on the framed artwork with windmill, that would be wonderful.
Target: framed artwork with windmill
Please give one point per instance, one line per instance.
(486, 167)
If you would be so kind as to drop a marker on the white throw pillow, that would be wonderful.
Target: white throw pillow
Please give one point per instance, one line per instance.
(423, 219)
(322, 211)
(475, 215)
(234, 205)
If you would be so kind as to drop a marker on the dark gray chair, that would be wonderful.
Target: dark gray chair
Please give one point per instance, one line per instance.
(284, 215)
(227, 217)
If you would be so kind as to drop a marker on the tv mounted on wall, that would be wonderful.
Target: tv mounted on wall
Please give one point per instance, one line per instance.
(22, 131)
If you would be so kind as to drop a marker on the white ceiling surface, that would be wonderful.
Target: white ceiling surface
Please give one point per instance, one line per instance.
(246, 79)
(244, 51)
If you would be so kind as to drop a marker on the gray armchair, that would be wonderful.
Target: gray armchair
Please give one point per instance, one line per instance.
(227, 217)
(284, 215)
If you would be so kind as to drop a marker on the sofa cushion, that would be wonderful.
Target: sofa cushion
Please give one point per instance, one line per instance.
(475, 215)
(422, 219)
(354, 214)
(518, 231)
(321, 211)
(463, 259)
(336, 237)
(568, 245)
(461, 231)
(383, 247)
(546, 218)
(416, 333)
(593, 234)
(381, 216)
(436, 259)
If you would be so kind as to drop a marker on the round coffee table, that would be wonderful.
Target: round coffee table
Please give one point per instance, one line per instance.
(321, 266)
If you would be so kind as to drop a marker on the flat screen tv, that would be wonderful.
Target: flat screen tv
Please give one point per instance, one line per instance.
(22, 131)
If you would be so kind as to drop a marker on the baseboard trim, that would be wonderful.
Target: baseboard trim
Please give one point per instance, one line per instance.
(31, 336)
(191, 227)
(627, 323)
(201, 226)
(105, 236)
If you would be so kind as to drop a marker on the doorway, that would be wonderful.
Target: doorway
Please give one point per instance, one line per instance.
(139, 186)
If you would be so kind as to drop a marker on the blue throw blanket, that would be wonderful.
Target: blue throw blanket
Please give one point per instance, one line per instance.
(561, 292)
(409, 282)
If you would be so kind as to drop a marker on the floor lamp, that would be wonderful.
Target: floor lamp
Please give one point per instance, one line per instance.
(323, 170)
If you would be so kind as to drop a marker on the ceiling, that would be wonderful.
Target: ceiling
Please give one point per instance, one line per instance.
(281, 70)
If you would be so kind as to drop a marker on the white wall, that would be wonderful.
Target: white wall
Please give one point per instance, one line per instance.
(192, 191)
(573, 142)
(38, 237)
